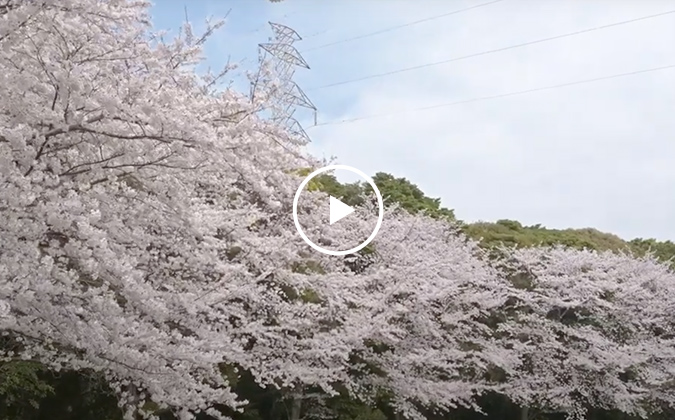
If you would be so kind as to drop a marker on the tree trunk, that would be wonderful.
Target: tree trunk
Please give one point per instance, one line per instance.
(524, 413)
(296, 408)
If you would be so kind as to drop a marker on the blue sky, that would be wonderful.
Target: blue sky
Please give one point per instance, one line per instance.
(595, 155)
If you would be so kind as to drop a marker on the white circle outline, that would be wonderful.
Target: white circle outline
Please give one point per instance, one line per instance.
(379, 203)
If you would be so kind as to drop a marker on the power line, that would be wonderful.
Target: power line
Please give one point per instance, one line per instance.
(503, 95)
(392, 28)
(524, 44)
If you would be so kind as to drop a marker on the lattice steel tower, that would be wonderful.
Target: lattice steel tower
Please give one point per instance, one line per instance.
(278, 61)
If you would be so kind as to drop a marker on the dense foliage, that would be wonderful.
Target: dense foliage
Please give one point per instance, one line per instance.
(150, 267)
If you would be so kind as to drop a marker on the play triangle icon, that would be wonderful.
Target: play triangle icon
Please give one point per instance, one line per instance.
(338, 210)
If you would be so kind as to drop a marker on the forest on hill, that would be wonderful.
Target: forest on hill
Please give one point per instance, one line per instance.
(491, 234)
(150, 266)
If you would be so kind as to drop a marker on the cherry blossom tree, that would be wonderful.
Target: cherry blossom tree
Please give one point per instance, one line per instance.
(127, 183)
(432, 290)
(595, 329)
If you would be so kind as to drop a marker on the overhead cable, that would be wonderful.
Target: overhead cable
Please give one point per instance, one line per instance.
(503, 95)
(464, 57)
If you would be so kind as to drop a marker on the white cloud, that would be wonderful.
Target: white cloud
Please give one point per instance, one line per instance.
(595, 155)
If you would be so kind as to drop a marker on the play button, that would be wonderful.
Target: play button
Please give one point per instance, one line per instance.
(338, 210)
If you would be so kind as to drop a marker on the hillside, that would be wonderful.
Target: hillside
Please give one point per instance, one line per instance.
(490, 234)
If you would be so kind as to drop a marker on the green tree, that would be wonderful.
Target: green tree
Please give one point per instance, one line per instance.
(409, 196)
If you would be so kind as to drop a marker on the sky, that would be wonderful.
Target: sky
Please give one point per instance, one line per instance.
(599, 154)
